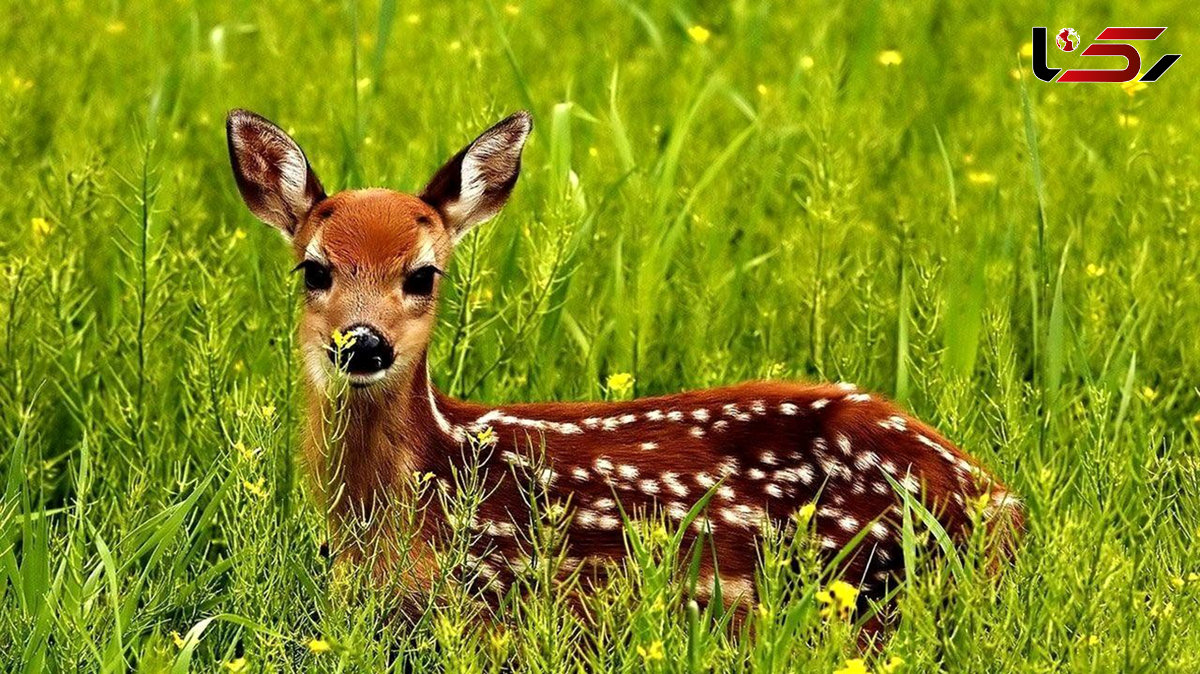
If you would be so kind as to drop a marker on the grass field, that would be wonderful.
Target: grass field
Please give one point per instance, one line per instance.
(873, 192)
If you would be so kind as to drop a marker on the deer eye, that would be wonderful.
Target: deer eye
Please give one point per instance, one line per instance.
(316, 275)
(420, 281)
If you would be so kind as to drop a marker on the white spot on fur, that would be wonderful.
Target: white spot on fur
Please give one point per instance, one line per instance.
(697, 432)
(627, 472)
(700, 414)
(866, 459)
(501, 528)
(755, 474)
(774, 490)
(672, 483)
(579, 473)
(675, 415)
(725, 492)
(727, 467)
(720, 425)
(648, 486)
(758, 407)
(654, 415)
(806, 473)
(788, 409)
(603, 465)
(819, 403)
(768, 458)
(858, 397)
(705, 480)
(843, 443)
(649, 446)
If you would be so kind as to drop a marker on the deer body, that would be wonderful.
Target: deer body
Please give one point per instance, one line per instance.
(760, 450)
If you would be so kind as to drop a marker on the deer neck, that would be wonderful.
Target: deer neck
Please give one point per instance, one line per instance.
(368, 444)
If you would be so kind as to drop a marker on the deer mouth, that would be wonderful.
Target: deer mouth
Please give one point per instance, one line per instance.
(365, 379)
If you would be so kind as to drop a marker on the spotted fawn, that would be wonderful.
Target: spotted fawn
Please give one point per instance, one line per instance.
(372, 261)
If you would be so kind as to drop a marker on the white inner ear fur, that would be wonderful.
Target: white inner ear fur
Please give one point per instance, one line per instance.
(293, 179)
(492, 158)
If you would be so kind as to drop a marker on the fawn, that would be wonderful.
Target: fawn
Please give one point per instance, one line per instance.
(372, 261)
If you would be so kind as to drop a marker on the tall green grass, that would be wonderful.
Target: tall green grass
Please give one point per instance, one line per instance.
(1015, 261)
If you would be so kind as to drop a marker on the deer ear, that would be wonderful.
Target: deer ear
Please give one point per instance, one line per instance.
(475, 183)
(272, 172)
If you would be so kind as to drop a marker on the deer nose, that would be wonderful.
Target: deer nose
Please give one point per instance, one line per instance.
(362, 351)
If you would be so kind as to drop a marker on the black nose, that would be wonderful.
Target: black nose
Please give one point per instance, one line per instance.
(363, 351)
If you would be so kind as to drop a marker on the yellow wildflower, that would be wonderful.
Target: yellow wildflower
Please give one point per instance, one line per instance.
(653, 652)
(41, 227)
(1026, 50)
(115, 27)
(236, 665)
(342, 340)
(854, 666)
(486, 437)
(699, 34)
(1128, 121)
(413, 19)
(593, 152)
(1193, 577)
(1133, 86)
(805, 514)
(807, 63)
(1177, 582)
(256, 488)
(1149, 393)
(763, 90)
(981, 178)
(512, 10)
(839, 598)
(620, 384)
(1092, 640)
(364, 83)
(893, 665)
(1095, 270)
(267, 410)
(20, 84)
(177, 640)
(319, 646)
(239, 234)
(890, 57)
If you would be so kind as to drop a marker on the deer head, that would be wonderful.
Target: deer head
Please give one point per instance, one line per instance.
(372, 259)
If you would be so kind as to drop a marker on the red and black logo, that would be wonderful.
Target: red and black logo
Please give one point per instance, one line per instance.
(1113, 45)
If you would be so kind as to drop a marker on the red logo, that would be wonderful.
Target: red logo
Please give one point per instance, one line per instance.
(1114, 44)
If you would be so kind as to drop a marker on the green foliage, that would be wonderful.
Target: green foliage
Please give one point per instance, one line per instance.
(1016, 261)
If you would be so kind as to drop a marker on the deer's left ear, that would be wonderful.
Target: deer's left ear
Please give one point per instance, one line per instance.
(475, 183)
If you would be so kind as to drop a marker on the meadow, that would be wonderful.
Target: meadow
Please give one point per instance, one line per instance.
(871, 192)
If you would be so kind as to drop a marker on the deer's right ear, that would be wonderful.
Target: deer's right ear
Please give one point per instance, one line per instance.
(272, 172)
